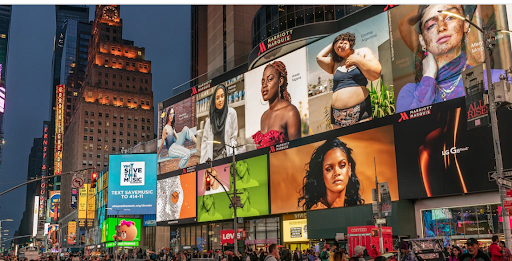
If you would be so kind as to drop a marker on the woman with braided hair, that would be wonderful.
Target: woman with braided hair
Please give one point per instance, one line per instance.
(351, 69)
(281, 122)
(330, 179)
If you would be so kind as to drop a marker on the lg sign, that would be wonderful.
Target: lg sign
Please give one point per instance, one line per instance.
(132, 173)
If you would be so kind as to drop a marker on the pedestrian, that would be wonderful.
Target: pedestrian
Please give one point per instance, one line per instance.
(407, 255)
(495, 250)
(474, 253)
(358, 254)
(505, 252)
(273, 254)
(324, 255)
(455, 254)
(297, 256)
(338, 256)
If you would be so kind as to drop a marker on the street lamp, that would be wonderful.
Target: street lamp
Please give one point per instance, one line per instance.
(234, 199)
(117, 210)
(489, 36)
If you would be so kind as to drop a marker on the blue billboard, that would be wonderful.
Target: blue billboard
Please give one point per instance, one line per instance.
(132, 184)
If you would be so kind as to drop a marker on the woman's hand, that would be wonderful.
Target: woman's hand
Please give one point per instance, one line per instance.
(353, 59)
(430, 66)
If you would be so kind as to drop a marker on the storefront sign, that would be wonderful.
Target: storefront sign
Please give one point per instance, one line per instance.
(228, 236)
(295, 230)
(44, 182)
(149, 220)
(121, 243)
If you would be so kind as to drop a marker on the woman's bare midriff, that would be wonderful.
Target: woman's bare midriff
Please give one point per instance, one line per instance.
(348, 97)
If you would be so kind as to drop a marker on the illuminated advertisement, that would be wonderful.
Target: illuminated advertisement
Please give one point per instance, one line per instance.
(82, 204)
(441, 157)
(35, 216)
(281, 83)
(295, 230)
(54, 203)
(177, 136)
(44, 182)
(213, 180)
(132, 184)
(91, 206)
(71, 237)
(59, 127)
(323, 174)
(251, 184)
(74, 198)
(427, 64)
(176, 200)
(360, 52)
(51, 231)
(129, 230)
(221, 116)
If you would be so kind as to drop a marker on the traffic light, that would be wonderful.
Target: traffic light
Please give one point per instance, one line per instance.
(94, 178)
(208, 183)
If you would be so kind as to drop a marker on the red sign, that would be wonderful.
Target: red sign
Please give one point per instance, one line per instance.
(228, 236)
(59, 128)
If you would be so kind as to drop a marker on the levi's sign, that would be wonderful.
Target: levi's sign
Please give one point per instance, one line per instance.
(228, 236)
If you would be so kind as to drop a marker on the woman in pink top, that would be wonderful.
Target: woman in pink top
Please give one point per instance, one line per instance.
(456, 253)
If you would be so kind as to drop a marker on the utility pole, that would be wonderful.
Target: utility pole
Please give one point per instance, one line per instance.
(377, 195)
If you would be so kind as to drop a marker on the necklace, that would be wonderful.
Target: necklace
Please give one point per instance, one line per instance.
(446, 92)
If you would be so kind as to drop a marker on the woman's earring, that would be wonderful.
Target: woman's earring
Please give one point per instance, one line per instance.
(262, 102)
(424, 51)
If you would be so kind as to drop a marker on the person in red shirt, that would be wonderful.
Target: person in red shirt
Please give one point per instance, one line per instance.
(495, 250)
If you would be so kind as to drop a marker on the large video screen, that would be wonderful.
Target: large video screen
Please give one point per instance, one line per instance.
(323, 174)
(221, 117)
(278, 109)
(251, 183)
(440, 157)
(132, 184)
(129, 228)
(176, 200)
(349, 76)
(213, 180)
(177, 136)
(430, 50)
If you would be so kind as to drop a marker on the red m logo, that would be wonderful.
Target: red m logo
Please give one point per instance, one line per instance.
(263, 48)
(194, 91)
(403, 116)
(388, 7)
(272, 149)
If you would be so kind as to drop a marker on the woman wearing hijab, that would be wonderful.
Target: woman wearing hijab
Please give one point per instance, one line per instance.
(221, 125)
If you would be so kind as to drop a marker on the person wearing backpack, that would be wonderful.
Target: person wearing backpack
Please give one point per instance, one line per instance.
(324, 255)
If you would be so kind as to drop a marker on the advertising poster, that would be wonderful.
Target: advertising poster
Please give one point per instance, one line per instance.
(129, 228)
(74, 198)
(71, 232)
(441, 157)
(278, 108)
(295, 230)
(221, 117)
(335, 103)
(323, 174)
(430, 50)
(82, 204)
(54, 202)
(207, 183)
(132, 184)
(176, 201)
(177, 136)
(252, 183)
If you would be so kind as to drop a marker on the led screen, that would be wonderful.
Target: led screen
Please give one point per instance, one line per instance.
(176, 201)
(129, 228)
(213, 180)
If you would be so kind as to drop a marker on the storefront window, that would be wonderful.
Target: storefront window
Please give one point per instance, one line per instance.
(457, 221)
(470, 220)
(272, 228)
(192, 236)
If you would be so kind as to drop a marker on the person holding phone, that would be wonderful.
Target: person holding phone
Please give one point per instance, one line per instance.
(351, 69)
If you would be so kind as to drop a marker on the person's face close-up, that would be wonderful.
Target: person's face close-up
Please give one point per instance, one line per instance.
(270, 83)
(473, 248)
(455, 251)
(219, 98)
(275, 253)
(208, 202)
(342, 48)
(244, 196)
(442, 32)
(336, 170)
(171, 114)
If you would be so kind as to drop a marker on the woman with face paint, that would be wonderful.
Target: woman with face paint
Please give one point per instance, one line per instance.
(281, 122)
(221, 125)
(442, 40)
(330, 179)
(351, 69)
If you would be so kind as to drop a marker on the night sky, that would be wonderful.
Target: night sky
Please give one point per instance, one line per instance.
(163, 30)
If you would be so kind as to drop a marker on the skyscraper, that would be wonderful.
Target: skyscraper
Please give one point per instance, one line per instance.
(5, 23)
(115, 106)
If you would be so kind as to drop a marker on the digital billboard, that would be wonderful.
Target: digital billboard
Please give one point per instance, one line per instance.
(54, 203)
(129, 228)
(177, 136)
(295, 230)
(59, 127)
(323, 174)
(349, 76)
(278, 109)
(440, 157)
(430, 50)
(252, 183)
(176, 200)
(132, 184)
(221, 117)
(213, 180)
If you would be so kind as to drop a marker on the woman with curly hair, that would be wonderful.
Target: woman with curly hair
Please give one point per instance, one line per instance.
(351, 69)
(330, 179)
(281, 122)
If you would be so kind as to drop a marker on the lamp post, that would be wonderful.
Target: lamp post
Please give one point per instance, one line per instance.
(488, 38)
(6, 220)
(234, 199)
(117, 210)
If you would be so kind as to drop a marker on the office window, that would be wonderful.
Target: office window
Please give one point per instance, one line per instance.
(99, 130)
(114, 75)
(143, 119)
(148, 120)
(121, 125)
(85, 138)
(114, 140)
(84, 155)
(86, 113)
(129, 118)
(106, 114)
(113, 148)
(86, 121)
(90, 155)
(105, 148)
(114, 124)
(136, 118)
(99, 122)
(91, 129)
(122, 116)
(99, 157)
(128, 142)
(106, 139)
(148, 128)
(91, 138)
(120, 141)
(135, 134)
(100, 114)
(85, 146)
(114, 132)
(129, 126)
(135, 126)
(84, 162)
(106, 131)
(115, 116)
(99, 138)
(92, 121)
(121, 133)
(92, 113)
(106, 157)
(143, 127)
(128, 134)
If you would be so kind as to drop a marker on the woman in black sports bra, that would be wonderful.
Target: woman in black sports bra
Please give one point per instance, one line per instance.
(351, 69)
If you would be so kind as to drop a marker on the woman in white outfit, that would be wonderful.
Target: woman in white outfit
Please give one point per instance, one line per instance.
(221, 125)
